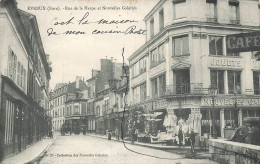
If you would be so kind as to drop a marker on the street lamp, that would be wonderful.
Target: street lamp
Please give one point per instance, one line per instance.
(213, 89)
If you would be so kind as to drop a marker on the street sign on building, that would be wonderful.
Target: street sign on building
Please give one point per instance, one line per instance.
(243, 42)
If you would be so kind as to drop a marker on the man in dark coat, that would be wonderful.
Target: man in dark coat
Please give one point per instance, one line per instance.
(180, 136)
(192, 140)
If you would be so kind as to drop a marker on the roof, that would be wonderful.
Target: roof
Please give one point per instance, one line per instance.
(70, 88)
(33, 23)
(155, 8)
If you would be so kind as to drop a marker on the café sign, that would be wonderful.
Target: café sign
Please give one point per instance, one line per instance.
(243, 42)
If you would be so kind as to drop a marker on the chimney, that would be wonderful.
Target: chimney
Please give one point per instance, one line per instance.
(78, 78)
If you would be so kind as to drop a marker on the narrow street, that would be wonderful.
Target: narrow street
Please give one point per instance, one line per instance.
(87, 149)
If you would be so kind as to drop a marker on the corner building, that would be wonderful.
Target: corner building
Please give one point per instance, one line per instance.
(185, 53)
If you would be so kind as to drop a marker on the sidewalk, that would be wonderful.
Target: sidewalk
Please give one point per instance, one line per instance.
(200, 154)
(31, 154)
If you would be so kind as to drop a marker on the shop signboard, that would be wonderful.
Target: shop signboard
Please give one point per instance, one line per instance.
(230, 102)
(243, 42)
(176, 103)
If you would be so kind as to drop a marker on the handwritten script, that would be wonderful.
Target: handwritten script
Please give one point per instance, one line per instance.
(84, 21)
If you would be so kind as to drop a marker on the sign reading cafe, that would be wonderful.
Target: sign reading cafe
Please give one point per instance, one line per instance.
(243, 42)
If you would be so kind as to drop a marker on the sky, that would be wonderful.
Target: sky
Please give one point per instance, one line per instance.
(76, 55)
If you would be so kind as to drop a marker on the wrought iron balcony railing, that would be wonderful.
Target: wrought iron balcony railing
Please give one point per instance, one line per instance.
(184, 88)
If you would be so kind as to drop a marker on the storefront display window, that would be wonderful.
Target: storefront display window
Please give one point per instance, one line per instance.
(250, 113)
(206, 121)
(231, 118)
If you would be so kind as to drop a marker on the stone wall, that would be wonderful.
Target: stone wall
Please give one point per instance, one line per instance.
(229, 152)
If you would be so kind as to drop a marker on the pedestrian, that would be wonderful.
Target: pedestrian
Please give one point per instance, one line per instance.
(52, 132)
(117, 134)
(192, 139)
(109, 135)
(180, 136)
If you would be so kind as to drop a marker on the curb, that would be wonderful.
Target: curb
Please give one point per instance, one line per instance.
(41, 153)
(139, 144)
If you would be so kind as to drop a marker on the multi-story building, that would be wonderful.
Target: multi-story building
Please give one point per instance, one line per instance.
(25, 74)
(58, 98)
(106, 91)
(185, 53)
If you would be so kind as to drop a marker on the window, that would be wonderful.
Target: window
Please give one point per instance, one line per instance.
(12, 60)
(180, 45)
(179, 9)
(217, 78)
(212, 10)
(215, 45)
(162, 85)
(154, 57)
(97, 111)
(234, 12)
(136, 69)
(231, 118)
(142, 65)
(250, 113)
(143, 92)
(154, 88)
(234, 82)
(161, 52)
(256, 79)
(161, 19)
(151, 27)
(136, 94)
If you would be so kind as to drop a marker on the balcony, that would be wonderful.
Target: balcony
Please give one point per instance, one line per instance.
(185, 88)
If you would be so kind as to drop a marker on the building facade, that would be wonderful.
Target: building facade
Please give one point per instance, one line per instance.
(108, 97)
(25, 74)
(59, 96)
(185, 53)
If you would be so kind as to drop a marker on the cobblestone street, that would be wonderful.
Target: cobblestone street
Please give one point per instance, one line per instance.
(87, 149)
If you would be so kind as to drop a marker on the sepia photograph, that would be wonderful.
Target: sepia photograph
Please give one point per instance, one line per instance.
(130, 81)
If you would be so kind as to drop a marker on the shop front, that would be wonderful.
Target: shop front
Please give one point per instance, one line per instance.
(76, 122)
(19, 119)
(229, 113)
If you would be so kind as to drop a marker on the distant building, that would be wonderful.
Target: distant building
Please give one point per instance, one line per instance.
(107, 89)
(58, 98)
(25, 74)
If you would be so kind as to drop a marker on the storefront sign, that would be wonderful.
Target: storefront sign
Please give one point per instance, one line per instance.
(241, 102)
(222, 62)
(243, 42)
(173, 103)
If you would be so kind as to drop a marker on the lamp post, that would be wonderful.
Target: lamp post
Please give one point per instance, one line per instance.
(213, 89)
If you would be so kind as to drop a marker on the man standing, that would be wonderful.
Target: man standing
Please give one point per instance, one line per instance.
(192, 139)
(180, 136)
